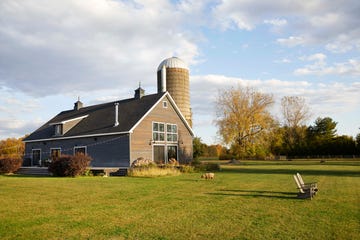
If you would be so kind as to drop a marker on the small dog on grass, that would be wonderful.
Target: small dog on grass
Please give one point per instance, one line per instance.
(208, 176)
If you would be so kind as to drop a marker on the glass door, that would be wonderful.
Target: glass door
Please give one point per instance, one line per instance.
(172, 153)
(159, 154)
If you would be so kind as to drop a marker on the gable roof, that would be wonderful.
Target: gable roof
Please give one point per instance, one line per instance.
(99, 119)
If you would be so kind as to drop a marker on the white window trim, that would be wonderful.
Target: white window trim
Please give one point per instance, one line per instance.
(76, 147)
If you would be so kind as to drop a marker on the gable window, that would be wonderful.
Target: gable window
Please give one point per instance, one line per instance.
(158, 131)
(58, 129)
(55, 153)
(171, 133)
(80, 150)
(164, 104)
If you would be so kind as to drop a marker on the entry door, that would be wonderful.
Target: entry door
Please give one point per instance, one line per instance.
(159, 154)
(36, 157)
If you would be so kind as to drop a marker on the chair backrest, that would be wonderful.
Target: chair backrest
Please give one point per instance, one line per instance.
(298, 184)
(301, 181)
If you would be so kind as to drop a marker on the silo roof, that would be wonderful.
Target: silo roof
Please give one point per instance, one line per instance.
(173, 62)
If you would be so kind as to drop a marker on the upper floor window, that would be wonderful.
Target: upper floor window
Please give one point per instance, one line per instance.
(158, 131)
(171, 133)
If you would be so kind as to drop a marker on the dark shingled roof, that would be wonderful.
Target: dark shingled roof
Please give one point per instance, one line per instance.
(101, 118)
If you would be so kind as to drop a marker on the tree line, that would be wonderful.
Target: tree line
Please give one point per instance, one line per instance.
(249, 129)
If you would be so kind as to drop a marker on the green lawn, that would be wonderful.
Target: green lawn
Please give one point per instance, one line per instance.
(253, 200)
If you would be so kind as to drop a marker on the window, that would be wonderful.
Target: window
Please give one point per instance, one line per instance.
(80, 150)
(55, 153)
(58, 129)
(164, 104)
(171, 133)
(158, 131)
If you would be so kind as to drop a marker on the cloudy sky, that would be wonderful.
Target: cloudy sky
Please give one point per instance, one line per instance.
(52, 51)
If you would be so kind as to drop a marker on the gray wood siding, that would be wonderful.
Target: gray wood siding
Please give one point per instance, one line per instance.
(142, 135)
(106, 151)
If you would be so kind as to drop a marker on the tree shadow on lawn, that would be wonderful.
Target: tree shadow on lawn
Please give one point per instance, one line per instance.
(256, 194)
(347, 173)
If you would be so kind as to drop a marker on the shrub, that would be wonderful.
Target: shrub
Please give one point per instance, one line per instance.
(212, 167)
(10, 165)
(153, 172)
(70, 166)
(187, 169)
(209, 167)
(141, 162)
(173, 162)
(196, 162)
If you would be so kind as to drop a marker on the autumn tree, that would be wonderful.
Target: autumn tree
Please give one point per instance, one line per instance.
(242, 118)
(295, 112)
(12, 147)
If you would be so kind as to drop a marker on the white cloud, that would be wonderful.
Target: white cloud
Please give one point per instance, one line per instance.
(64, 46)
(276, 22)
(320, 67)
(292, 41)
(332, 23)
(283, 60)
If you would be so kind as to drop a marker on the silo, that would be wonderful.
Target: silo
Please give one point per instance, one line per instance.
(173, 76)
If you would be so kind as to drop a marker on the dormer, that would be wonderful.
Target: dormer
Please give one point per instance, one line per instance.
(60, 128)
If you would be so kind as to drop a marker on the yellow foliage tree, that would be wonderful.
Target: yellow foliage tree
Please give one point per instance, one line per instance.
(243, 118)
(12, 148)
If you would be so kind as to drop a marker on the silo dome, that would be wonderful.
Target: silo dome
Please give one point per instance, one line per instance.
(173, 62)
(173, 76)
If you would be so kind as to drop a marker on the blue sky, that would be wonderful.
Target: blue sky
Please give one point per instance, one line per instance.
(53, 51)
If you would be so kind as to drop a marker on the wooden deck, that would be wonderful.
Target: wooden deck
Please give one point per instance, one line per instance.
(43, 171)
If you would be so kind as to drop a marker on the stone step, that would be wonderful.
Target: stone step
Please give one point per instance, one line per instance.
(36, 171)
(121, 172)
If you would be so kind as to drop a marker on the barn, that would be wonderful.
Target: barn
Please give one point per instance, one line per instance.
(116, 133)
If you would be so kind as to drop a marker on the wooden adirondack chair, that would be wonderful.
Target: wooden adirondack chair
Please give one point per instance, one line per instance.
(307, 185)
(304, 192)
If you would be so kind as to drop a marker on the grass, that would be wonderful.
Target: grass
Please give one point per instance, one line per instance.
(252, 200)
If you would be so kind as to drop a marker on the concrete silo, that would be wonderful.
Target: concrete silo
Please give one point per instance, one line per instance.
(173, 76)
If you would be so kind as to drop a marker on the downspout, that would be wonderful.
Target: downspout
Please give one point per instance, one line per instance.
(116, 114)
